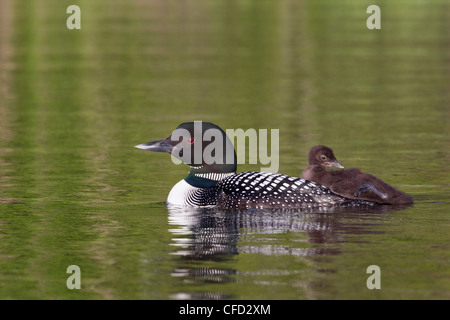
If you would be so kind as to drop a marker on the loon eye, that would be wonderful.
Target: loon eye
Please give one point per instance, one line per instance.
(323, 157)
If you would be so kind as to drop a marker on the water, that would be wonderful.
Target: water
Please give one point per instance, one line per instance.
(74, 191)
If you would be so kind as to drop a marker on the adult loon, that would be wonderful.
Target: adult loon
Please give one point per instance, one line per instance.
(350, 183)
(213, 181)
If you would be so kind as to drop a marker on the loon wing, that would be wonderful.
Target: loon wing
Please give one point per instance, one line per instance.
(247, 190)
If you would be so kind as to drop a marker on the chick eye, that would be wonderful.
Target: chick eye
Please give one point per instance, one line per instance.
(322, 157)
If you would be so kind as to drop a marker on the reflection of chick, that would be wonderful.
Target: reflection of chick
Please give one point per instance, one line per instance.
(350, 183)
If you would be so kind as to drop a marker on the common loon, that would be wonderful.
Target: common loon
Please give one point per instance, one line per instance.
(216, 183)
(350, 183)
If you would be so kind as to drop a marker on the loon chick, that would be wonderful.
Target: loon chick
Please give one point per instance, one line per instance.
(212, 179)
(349, 183)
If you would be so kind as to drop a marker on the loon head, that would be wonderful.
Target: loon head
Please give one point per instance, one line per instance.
(203, 146)
(323, 156)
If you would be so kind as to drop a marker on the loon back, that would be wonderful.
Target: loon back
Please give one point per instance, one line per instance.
(263, 190)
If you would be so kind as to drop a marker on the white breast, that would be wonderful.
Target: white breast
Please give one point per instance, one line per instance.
(180, 193)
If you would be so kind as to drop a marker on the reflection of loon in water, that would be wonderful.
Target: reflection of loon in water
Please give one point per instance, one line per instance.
(209, 233)
(212, 234)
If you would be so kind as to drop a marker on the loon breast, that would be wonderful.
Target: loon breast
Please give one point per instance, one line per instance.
(247, 190)
(181, 193)
(184, 194)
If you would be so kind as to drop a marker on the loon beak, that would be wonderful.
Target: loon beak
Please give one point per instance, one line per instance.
(335, 164)
(158, 146)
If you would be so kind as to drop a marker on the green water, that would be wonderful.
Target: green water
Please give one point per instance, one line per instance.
(74, 191)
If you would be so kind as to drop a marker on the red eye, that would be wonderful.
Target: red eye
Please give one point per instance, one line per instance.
(190, 140)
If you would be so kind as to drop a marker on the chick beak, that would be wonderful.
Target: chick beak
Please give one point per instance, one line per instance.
(335, 164)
